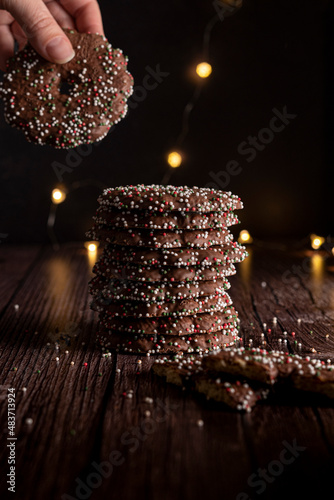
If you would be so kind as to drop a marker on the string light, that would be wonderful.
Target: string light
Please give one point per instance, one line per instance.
(316, 241)
(245, 237)
(174, 159)
(224, 9)
(58, 196)
(204, 69)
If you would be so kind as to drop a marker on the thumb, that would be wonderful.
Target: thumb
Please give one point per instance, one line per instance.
(41, 29)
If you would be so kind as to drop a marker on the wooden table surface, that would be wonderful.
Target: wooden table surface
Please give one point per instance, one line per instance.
(84, 413)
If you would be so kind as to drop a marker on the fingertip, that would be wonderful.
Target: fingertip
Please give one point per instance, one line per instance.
(60, 50)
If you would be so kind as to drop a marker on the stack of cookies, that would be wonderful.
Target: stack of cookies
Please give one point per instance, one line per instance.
(160, 284)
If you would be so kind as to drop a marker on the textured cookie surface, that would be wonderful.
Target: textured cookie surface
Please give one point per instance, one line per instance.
(230, 252)
(188, 371)
(164, 344)
(160, 284)
(158, 274)
(147, 292)
(145, 219)
(170, 198)
(181, 238)
(185, 307)
(270, 367)
(69, 104)
(255, 364)
(223, 320)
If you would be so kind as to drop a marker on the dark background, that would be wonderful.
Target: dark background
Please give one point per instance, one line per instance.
(269, 55)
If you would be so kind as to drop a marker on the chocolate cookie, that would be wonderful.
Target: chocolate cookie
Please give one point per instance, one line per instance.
(164, 344)
(270, 367)
(254, 364)
(197, 324)
(170, 198)
(157, 274)
(185, 307)
(182, 238)
(231, 252)
(146, 292)
(237, 395)
(66, 105)
(145, 219)
(167, 252)
(187, 371)
(314, 376)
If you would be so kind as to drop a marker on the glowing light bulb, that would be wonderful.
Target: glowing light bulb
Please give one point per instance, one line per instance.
(92, 246)
(245, 237)
(204, 69)
(174, 159)
(58, 196)
(316, 241)
(92, 253)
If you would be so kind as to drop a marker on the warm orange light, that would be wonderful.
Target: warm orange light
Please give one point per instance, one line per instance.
(204, 69)
(92, 253)
(58, 196)
(316, 241)
(174, 159)
(245, 237)
(92, 246)
(317, 268)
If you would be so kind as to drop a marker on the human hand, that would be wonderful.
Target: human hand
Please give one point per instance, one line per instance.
(40, 23)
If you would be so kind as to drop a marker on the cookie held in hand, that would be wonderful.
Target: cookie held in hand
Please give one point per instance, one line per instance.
(67, 105)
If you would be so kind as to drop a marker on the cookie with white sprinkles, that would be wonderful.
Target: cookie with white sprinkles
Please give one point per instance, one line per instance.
(183, 307)
(119, 290)
(186, 370)
(206, 323)
(170, 198)
(164, 344)
(145, 219)
(66, 105)
(180, 238)
(274, 367)
(160, 284)
(138, 272)
(231, 252)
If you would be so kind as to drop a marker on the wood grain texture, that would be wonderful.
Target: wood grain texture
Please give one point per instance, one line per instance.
(95, 411)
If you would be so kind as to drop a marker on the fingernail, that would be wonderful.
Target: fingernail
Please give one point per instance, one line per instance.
(60, 50)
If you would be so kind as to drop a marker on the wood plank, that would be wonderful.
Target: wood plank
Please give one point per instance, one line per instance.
(284, 286)
(280, 427)
(15, 264)
(167, 455)
(65, 415)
